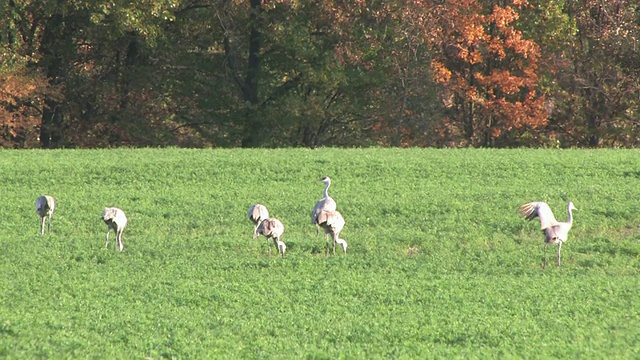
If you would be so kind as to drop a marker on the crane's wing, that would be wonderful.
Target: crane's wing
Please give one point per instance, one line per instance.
(559, 231)
(121, 218)
(316, 212)
(41, 201)
(271, 227)
(326, 204)
(541, 210)
(278, 228)
(251, 210)
(51, 203)
(332, 219)
(266, 226)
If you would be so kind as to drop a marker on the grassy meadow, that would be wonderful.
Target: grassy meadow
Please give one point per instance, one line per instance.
(439, 264)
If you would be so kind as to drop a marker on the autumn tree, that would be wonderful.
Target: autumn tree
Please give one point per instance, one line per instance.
(271, 73)
(22, 89)
(88, 53)
(487, 71)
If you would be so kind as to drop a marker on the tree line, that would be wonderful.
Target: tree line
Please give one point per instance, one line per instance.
(272, 73)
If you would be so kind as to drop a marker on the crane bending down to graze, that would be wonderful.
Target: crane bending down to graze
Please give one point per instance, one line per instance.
(257, 213)
(332, 223)
(325, 204)
(45, 205)
(554, 232)
(116, 220)
(342, 243)
(272, 229)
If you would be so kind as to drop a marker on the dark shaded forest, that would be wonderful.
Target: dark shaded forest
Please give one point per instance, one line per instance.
(231, 73)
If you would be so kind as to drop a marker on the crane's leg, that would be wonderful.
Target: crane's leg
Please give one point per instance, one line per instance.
(49, 226)
(107, 243)
(42, 220)
(326, 253)
(119, 239)
(334, 244)
(559, 247)
(277, 246)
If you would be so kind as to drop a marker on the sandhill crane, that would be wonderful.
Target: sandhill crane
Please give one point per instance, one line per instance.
(272, 229)
(325, 204)
(116, 220)
(45, 205)
(257, 213)
(554, 232)
(332, 223)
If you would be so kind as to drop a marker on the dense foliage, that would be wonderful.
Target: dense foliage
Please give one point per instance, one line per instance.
(258, 73)
(439, 263)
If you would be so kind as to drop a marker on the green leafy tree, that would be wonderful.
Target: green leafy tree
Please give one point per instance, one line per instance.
(601, 74)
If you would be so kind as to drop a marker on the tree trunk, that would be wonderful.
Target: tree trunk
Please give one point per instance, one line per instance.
(468, 121)
(596, 107)
(52, 114)
(252, 129)
(51, 128)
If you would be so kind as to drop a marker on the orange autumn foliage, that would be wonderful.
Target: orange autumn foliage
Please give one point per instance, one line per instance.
(485, 61)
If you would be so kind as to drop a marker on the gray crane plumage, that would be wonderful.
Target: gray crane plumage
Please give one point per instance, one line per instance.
(325, 204)
(45, 205)
(116, 220)
(555, 232)
(272, 228)
(332, 223)
(257, 213)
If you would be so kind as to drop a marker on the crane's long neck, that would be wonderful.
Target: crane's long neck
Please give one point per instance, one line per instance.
(326, 189)
(569, 216)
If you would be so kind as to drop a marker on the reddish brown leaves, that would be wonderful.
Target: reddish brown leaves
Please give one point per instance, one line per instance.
(486, 62)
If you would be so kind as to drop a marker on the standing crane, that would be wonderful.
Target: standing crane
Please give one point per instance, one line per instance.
(272, 229)
(257, 213)
(116, 220)
(325, 204)
(45, 205)
(332, 223)
(554, 232)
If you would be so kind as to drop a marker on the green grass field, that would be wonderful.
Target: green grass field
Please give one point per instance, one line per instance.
(439, 263)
